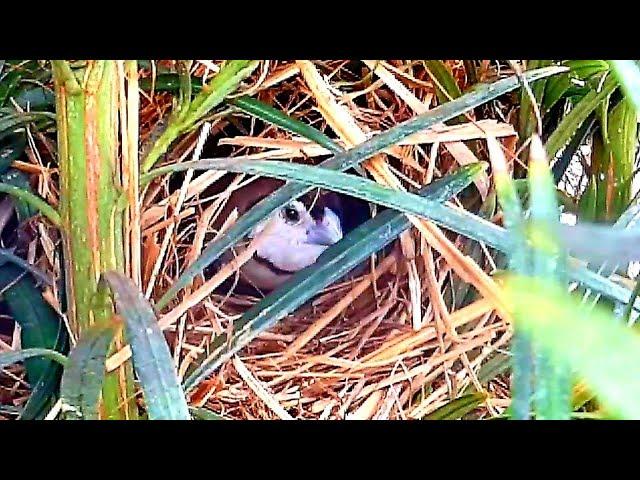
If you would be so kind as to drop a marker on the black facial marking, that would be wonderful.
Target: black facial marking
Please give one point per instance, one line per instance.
(291, 214)
(271, 266)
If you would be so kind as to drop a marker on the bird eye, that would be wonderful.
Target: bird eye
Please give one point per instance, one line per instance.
(291, 214)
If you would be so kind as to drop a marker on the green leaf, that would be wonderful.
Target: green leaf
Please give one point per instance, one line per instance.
(527, 121)
(489, 370)
(11, 148)
(20, 180)
(8, 84)
(334, 263)
(152, 360)
(269, 114)
(458, 408)
(9, 123)
(570, 124)
(558, 86)
(344, 161)
(446, 87)
(7, 256)
(84, 374)
(8, 358)
(45, 390)
(224, 83)
(33, 200)
(41, 328)
(623, 132)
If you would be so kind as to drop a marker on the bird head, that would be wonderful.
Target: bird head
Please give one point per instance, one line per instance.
(297, 236)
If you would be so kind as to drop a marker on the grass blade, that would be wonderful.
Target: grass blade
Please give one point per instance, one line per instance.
(458, 408)
(570, 124)
(334, 263)
(8, 358)
(152, 360)
(344, 161)
(553, 381)
(33, 200)
(269, 114)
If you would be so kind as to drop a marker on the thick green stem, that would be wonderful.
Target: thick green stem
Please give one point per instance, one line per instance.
(90, 206)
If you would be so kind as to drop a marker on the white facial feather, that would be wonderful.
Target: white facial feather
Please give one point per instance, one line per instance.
(289, 244)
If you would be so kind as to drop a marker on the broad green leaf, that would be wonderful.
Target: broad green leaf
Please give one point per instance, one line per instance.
(623, 132)
(84, 374)
(344, 161)
(7, 256)
(152, 360)
(41, 328)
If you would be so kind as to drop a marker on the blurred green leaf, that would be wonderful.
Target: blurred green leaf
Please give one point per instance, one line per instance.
(603, 352)
(152, 359)
(628, 73)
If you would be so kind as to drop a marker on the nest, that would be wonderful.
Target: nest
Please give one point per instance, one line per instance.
(393, 343)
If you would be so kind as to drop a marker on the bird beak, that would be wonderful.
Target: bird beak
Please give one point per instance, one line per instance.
(327, 232)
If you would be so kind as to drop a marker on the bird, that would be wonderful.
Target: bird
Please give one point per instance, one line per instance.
(292, 237)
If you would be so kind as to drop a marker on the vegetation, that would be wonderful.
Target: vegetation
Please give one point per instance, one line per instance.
(478, 303)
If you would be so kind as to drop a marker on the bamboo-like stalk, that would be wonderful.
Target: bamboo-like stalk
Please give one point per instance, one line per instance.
(93, 204)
